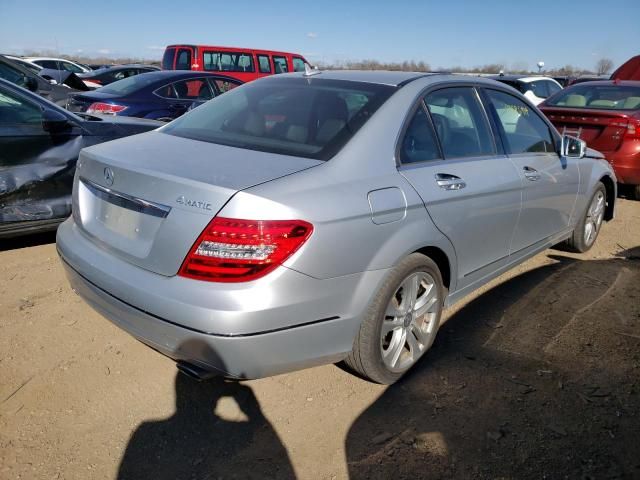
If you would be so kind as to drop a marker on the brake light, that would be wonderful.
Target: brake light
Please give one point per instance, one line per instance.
(105, 108)
(633, 130)
(234, 250)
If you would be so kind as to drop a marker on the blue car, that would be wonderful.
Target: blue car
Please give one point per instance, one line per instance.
(162, 95)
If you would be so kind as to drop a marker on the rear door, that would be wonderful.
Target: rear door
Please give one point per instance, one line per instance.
(550, 183)
(470, 190)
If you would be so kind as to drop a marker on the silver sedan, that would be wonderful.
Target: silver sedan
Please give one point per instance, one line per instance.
(315, 217)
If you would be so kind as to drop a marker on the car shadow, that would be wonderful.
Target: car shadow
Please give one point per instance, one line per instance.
(218, 430)
(536, 378)
(24, 241)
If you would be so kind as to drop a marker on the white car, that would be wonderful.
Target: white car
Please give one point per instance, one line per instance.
(61, 64)
(57, 64)
(536, 88)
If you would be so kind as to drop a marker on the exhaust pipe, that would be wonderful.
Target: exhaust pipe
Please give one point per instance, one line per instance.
(194, 372)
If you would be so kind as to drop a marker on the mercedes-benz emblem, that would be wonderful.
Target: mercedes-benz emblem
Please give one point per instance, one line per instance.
(108, 176)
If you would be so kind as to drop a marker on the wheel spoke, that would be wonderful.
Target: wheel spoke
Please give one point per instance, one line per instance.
(397, 347)
(393, 309)
(389, 325)
(414, 345)
(421, 335)
(412, 291)
(427, 302)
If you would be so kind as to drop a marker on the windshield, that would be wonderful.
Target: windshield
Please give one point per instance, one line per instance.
(128, 85)
(311, 118)
(605, 97)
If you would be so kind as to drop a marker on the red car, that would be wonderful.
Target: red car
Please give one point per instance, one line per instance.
(244, 64)
(605, 114)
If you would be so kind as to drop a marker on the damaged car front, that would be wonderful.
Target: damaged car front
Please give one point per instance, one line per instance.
(39, 147)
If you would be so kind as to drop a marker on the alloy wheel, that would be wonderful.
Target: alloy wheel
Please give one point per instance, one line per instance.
(595, 214)
(409, 324)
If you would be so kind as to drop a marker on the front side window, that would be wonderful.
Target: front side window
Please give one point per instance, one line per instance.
(10, 74)
(524, 130)
(50, 64)
(280, 64)
(290, 116)
(16, 111)
(228, 62)
(298, 64)
(264, 65)
(419, 143)
(460, 122)
(183, 62)
(221, 86)
(192, 89)
(70, 67)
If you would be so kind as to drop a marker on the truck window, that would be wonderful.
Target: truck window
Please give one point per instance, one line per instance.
(298, 64)
(184, 59)
(264, 65)
(280, 63)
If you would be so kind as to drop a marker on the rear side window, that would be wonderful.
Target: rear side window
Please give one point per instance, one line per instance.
(290, 116)
(264, 65)
(298, 64)
(167, 59)
(183, 62)
(10, 74)
(228, 62)
(524, 130)
(280, 64)
(52, 64)
(460, 123)
(553, 88)
(71, 67)
(419, 143)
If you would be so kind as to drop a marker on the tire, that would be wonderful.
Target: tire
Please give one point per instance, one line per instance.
(408, 306)
(588, 228)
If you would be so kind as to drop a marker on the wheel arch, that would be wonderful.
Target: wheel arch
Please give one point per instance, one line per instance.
(610, 188)
(441, 260)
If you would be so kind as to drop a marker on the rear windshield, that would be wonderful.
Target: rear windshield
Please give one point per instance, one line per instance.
(515, 84)
(605, 97)
(129, 85)
(311, 118)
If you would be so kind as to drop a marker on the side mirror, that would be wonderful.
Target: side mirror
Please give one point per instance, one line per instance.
(55, 122)
(573, 147)
(30, 84)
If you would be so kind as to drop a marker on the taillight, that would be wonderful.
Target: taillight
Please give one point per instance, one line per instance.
(234, 250)
(633, 129)
(105, 108)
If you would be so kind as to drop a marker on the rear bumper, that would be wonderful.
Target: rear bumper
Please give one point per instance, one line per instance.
(626, 163)
(276, 338)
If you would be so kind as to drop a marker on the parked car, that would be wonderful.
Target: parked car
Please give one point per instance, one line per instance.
(630, 70)
(162, 95)
(48, 88)
(57, 64)
(308, 218)
(536, 89)
(105, 76)
(606, 115)
(244, 64)
(40, 146)
(22, 62)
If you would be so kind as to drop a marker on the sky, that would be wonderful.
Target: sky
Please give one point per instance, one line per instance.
(444, 34)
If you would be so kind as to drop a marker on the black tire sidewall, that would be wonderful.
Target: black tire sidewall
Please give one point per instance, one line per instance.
(372, 325)
(578, 242)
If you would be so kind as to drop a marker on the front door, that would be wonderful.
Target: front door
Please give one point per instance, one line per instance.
(549, 182)
(471, 193)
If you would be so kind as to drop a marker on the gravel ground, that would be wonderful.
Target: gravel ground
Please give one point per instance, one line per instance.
(536, 376)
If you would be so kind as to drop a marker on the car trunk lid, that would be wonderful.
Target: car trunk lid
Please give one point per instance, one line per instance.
(603, 130)
(147, 198)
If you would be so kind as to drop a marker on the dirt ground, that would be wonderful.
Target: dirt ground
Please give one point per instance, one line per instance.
(537, 376)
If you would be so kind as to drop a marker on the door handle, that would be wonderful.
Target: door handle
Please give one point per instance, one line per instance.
(449, 182)
(531, 174)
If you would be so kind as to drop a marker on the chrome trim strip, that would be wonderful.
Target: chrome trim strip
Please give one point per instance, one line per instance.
(126, 201)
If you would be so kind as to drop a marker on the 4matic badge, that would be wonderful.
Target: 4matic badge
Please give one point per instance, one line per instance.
(182, 200)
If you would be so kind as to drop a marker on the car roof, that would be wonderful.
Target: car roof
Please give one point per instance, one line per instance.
(382, 77)
(521, 78)
(621, 83)
(159, 75)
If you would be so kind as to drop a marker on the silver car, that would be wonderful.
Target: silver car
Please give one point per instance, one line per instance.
(315, 217)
